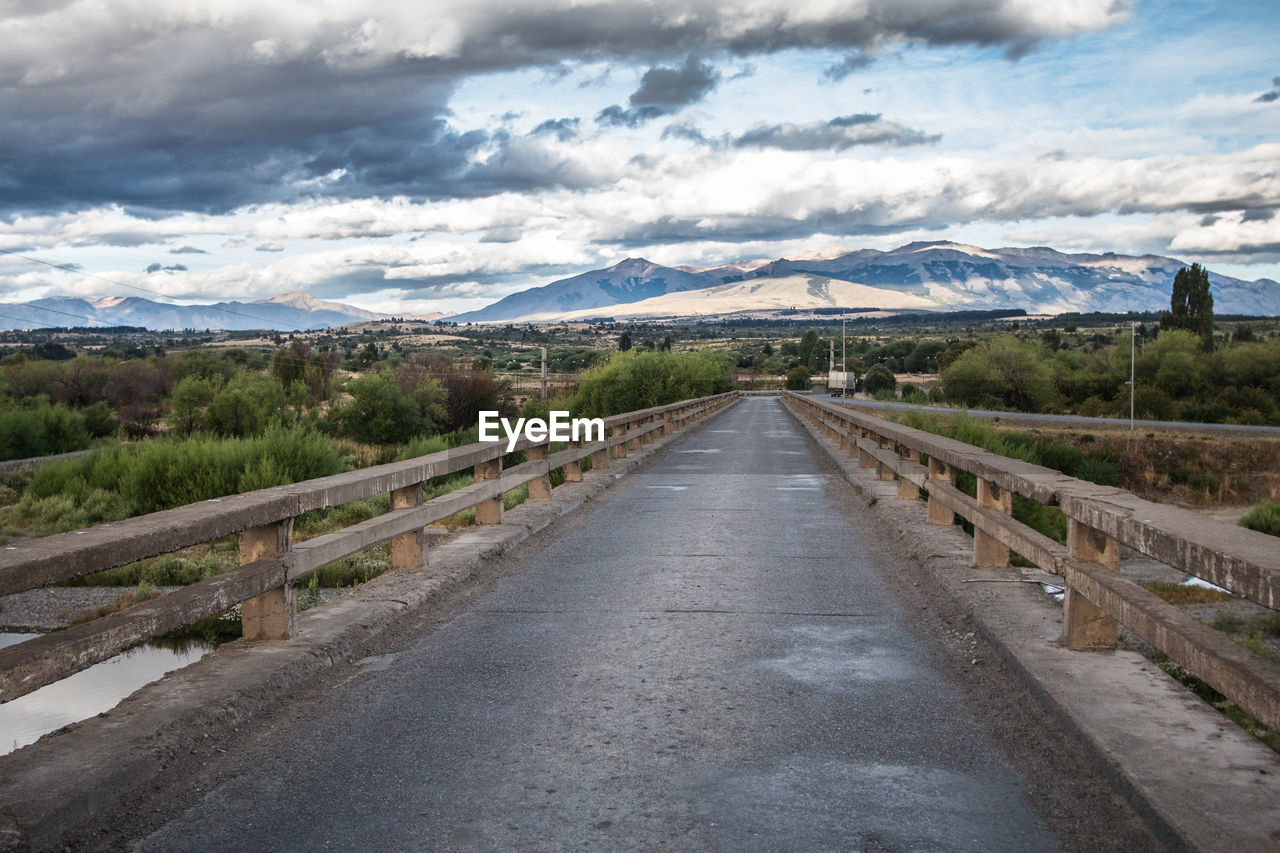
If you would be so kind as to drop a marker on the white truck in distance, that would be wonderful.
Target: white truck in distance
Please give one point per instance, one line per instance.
(841, 383)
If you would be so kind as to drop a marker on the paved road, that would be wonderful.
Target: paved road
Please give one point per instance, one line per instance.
(1068, 420)
(701, 659)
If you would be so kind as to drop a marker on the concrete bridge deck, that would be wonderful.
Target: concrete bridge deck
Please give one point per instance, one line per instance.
(709, 656)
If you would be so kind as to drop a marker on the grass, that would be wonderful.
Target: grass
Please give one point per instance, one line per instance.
(111, 484)
(1265, 518)
(1178, 593)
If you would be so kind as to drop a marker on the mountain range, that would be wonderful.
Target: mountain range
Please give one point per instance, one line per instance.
(935, 276)
(286, 311)
(931, 276)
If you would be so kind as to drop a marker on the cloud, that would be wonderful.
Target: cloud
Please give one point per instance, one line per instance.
(211, 108)
(837, 134)
(562, 129)
(187, 250)
(1271, 96)
(616, 116)
(672, 88)
(269, 247)
(153, 268)
(663, 90)
(846, 66)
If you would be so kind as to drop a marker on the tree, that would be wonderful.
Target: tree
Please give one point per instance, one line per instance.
(1191, 305)
(798, 378)
(880, 378)
(624, 342)
(379, 413)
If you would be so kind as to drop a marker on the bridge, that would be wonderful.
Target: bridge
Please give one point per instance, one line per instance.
(752, 624)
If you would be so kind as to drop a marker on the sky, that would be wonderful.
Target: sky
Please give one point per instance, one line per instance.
(436, 156)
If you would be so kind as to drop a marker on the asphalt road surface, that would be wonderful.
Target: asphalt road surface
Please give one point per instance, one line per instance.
(1078, 421)
(703, 659)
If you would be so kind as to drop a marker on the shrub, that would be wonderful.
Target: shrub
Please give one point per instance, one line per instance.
(1265, 518)
(116, 483)
(633, 380)
(879, 378)
(41, 429)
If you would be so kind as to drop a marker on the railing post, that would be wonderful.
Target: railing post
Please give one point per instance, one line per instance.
(269, 616)
(489, 511)
(620, 449)
(907, 490)
(647, 438)
(883, 471)
(573, 470)
(865, 459)
(988, 551)
(539, 487)
(408, 550)
(938, 511)
(1084, 625)
(668, 423)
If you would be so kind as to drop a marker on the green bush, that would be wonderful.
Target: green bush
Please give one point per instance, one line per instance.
(115, 483)
(633, 380)
(879, 378)
(40, 429)
(1264, 518)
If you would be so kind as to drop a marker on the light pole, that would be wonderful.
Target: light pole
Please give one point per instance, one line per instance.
(844, 359)
(1133, 352)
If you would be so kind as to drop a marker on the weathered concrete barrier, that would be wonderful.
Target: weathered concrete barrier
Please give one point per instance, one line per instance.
(1100, 519)
(270, 560)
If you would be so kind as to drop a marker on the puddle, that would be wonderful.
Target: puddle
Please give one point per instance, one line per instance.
(92, 691)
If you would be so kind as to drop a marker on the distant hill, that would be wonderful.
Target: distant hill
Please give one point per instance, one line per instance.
(284, 312)
(931, 276)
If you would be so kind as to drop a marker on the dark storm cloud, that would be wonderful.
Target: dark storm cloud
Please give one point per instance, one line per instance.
(663, 90)
(563, 129)
(162, 107)
(835, 135)
(187, 250)
(672, 88)
(1273, 95)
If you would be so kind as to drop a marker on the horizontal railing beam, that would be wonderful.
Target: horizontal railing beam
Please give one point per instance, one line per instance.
(43, 660)
(1243, 561)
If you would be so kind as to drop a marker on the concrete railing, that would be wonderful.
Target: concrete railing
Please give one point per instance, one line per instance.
(1100, 519)
(269, 560)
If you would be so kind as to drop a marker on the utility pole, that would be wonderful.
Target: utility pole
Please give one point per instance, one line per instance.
(1133, 353)
(831, 358)
(544, 373)
(844, 358)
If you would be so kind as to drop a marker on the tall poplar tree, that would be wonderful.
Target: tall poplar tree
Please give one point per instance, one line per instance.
(1191, 305)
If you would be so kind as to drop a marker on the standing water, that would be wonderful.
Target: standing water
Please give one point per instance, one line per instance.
(91, 691)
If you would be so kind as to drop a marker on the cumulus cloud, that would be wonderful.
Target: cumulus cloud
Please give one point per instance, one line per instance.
(835, 135)
(188, 106)
(187, 250)
(154, 268)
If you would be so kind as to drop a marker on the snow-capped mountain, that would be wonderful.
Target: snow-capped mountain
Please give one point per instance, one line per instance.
(937, 276)
(286, 312)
